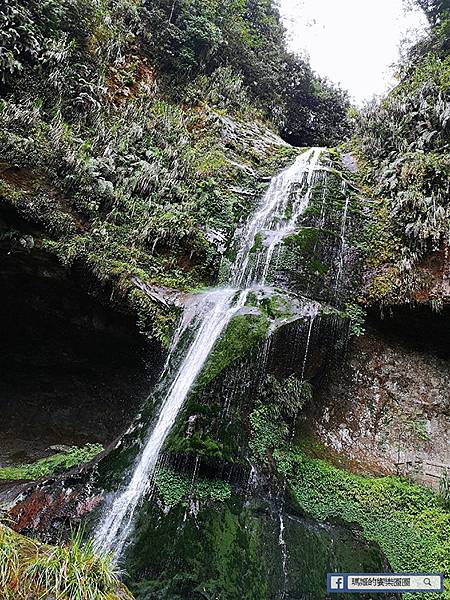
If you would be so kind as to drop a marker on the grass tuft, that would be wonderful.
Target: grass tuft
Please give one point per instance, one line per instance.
(31, 570)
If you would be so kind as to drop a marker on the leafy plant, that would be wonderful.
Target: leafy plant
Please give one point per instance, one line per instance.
(404, 143)
(357, 316)
(175, 487)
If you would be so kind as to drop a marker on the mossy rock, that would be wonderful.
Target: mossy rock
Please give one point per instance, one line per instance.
(410, 523)
(243, 333)
(231, 549)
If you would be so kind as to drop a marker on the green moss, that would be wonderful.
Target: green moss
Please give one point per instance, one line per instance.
(224, 552)
(175, 487)
(382, 244)
(242, 335)
(201, 429)
(212, 162)
(310, 257)
(54, 464)
(257, 244)
(387, 286)
(316, 267)
(280, 402)
(231, 550)
(217, 429)
(305, 239)
(409, 522)
(199, 444)
(275, 307)
(252, 299)
(268, 431)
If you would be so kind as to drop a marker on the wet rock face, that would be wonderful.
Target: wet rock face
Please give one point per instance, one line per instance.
(50, 508)
(387, 410)
(233, 548)
(72, 369)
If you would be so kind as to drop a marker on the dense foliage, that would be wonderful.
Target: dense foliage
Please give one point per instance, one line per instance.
(409, 522)
(187, 38)
(405, 140)
(175, 487)
(116, 138)
(113, 173)
(76, 43)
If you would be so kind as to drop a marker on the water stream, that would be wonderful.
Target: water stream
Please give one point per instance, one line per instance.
(215, 310)
(342, 249)
(206, 318)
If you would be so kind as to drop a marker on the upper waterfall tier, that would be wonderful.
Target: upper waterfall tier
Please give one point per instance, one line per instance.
(276, 217)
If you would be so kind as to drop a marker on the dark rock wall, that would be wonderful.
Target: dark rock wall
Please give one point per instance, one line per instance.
(72, 369)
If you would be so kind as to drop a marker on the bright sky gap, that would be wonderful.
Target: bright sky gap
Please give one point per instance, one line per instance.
(354, 43)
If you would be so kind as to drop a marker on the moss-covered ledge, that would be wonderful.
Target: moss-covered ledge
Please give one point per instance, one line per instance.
(158, 210)
(60, 461)
(410, 523)
(255, 340)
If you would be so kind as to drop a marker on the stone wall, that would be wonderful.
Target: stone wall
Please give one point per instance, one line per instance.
(387, 408)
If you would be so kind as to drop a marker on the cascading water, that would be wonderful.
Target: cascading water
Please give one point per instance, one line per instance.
(208, 315)
(275, 219)
(216, 310)
(342, 249)
(283, 546)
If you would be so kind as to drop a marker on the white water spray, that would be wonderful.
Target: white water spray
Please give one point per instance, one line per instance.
(284, 554)
(118, 521)
(276, 218)
(343, 226)
(208, 316)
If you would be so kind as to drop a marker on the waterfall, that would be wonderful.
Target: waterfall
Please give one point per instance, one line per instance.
(284, 554)
(276, 218)
(114, 529)
(342, 249)
(208, 316)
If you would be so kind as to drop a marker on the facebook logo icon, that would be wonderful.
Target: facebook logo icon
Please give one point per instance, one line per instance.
(385, 582)
(336, 583)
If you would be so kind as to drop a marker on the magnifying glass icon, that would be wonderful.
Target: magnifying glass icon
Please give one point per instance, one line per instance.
(427, 581)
